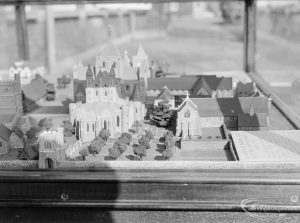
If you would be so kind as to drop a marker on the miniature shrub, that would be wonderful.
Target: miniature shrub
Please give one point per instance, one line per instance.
(114, 152)
(84, 152)
(104, 134)
(144, 140)
(120, 145)
(96, 145)
(45, 124)
(69, 130)
(126, 138)
(169, 152)
(149, 135)
(140, 151)
(161, 114)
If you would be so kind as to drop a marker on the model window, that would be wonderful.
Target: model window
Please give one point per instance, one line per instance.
(87, 127)
(187, 114)
(118, 121)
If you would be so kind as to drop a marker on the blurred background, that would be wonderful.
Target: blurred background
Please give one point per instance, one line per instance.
(190, 38)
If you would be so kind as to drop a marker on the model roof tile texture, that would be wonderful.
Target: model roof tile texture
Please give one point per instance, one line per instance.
(215, 107)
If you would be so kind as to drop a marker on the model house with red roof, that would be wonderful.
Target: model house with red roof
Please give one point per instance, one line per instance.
(243, 113)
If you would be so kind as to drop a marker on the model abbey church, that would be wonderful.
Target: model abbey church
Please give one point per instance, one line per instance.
(115, 93)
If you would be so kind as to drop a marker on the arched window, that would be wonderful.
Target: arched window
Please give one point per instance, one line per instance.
(93, 127)
(187, 114)
(105, 124)
(87, 127)
(118, 121)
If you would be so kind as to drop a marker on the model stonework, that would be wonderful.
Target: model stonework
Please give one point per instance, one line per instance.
(244, 113)
(115, 94)
(10, 101)
(51, 149)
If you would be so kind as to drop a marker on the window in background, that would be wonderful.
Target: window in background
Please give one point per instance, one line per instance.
(278, 48)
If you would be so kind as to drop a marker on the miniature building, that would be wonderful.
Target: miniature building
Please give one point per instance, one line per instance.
(115, 96)
(5, 134)
(204, 86)
(26, 73)
(51, 149)
(197, 113)
(165, 96)
(33, 92)
(16, 138)
(109, 65)
(10, 101)
(246, 89)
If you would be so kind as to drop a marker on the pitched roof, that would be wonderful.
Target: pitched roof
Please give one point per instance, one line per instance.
(257, 120)
(225, 83)
(219, 107)
(35, 90)
(141, 51)
(172, 83)
(6, 118)
(110, 50)
(201, 83)
(165, 94)
(191, 83)
(245, 87)
(4, 132)
(18, 132)
(89, 71)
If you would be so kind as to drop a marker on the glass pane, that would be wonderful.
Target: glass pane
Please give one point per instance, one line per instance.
(278, 49)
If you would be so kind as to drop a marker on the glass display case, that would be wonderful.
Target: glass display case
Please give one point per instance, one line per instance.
(150, 105)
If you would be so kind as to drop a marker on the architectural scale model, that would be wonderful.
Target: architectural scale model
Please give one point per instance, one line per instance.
(121, 113)
(115, 93)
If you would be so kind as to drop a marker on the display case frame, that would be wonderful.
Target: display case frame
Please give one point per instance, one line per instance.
(207, 186)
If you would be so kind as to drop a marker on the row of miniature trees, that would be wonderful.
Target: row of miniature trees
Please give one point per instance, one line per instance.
(96, 144)
(140, 150)
(170, 145)
(120, 146)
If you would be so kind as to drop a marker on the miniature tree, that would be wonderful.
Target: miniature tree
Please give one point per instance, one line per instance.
(169, 153)
(140, 151)
(126, 138)
(96, 145)
(121, 144)
(144, 140)
(136, 126)
(114, 152)
(149, 135)
(167, 135)
(170, 145)
(104, 134)
(161, 114)
(84, 153)
(31, 135)
(63, 81)
(69, 129)
(45, 124)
